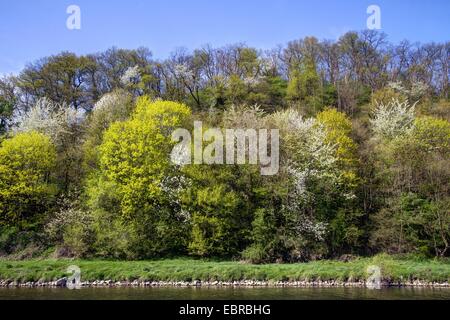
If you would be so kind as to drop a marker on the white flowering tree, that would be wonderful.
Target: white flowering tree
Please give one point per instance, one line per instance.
(393, 119)
(49, 118)
(131, 76)
(318, 180)
(111, 107)
(63, 125)
(308, 159)
(190, 79)
(306, 144)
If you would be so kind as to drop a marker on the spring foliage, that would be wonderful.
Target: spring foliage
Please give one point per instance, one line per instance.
(135, 168)
(26, 191)
(364, 153)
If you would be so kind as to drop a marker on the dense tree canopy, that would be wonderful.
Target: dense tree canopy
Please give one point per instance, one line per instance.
(85, 154)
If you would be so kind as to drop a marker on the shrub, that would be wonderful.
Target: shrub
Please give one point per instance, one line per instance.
(71, 226)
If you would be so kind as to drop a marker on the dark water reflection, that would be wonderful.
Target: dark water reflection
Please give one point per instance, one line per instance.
(223, 294)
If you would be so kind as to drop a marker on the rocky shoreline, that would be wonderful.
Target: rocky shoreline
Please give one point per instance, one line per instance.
(61, 283)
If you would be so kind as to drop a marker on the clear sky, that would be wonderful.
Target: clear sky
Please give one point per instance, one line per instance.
(31, 29)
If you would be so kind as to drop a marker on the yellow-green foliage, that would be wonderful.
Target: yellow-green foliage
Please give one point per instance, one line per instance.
(416, 177)
(131, 196)
(428, 141)
(440, 108)
(304, 81)
(218, 217)
(339, 128)
(135, 153)
(433, 134)
(26, 161)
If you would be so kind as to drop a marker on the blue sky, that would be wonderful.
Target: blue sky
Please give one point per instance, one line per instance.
(30, 29)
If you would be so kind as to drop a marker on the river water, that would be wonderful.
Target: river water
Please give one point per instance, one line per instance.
(224, 294)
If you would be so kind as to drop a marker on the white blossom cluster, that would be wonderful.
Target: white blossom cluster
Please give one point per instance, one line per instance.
(315, 154)
(418, 89)
(113, 106)
(397, 86)
(111, 101)
(299, 184)
(48, 118)
(299, 199)
(312, 158)
(182, 71)
(315, 228)
(244, 117)
(393, 119)
(131, 76)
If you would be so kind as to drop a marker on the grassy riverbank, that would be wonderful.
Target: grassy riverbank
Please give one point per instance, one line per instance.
(184, 269)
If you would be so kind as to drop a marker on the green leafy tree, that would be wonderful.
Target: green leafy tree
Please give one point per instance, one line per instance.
(63, 125)
(412, 223)
(26, 191)
(135, 159)
(218, 202)
(346, 220)
(6, 112)
(414, 172)
(112, 107)
(309, 207)
(267, 241)
(62, 78)
(304, 87)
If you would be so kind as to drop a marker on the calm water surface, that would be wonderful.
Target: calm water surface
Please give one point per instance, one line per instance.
(223, 294)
